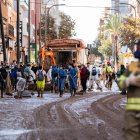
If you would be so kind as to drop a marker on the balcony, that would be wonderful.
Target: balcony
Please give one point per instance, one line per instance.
(24, 25)
(24, 5)
(10, 30)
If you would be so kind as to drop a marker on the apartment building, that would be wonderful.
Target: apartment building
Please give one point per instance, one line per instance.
(136, 9)
(9, 24)
(120, 6)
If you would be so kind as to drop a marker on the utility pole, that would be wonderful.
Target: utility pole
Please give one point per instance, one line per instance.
(40, 26)
(45, 24)
(2, 35)
(35, 33)
(18, 46)
(29, 48)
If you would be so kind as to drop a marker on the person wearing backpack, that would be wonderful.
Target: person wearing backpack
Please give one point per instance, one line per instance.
(94, 75)
(40, 76)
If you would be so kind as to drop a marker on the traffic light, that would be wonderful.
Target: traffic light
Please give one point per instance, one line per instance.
(42, 53)
(20, 33)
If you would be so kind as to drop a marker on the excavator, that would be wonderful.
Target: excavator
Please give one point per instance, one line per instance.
(47, 58)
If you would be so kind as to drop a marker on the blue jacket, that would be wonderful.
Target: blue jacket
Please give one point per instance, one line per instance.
(54, 72)
(62, 73)
(73, 72)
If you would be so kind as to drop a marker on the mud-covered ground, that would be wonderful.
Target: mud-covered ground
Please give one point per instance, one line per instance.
(93, 116)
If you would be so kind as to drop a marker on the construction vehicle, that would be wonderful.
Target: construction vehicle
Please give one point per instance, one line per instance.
(62, 52)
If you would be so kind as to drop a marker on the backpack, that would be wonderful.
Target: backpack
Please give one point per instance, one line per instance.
(40, 76)
(94, 72)
(55, 73)
(87, 73)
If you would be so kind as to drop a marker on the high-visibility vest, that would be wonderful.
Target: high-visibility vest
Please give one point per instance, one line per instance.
(133, 104)
(108, 69)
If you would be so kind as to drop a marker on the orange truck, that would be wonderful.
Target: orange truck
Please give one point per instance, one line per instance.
(62, 52)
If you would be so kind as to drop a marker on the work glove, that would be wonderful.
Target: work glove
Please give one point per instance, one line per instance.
(133, 80)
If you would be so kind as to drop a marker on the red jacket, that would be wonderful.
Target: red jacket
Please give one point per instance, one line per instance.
(83, 73)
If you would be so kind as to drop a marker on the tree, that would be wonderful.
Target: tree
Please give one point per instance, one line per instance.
(113, 24)
(66, 29)
(106, 48)
(112, 27)
(108, 34)
(129, 31)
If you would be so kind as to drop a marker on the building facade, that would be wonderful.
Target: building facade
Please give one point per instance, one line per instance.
(120, 7)
(136, 9)
(9, 24)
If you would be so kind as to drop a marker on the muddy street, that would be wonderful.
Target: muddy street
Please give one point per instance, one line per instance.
(97, 116)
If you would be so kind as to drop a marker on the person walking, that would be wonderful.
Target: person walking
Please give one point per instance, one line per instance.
(2, 71)
(84, 76)
(40, 76)
(54, 75)
(1, 85)
(89, 80)
(62, 75)
(103, 73)
(121, 72)
(73, 76)
(131, 80)
(14, 77)
(8, 83)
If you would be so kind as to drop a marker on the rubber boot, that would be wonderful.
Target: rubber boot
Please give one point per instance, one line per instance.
(20, 95)
(61, 93)
(71, 92)
(41, 94)
(1, 92)
(38, 94)
(74, 92)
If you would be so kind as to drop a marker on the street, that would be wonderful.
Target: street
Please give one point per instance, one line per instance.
(93, 116)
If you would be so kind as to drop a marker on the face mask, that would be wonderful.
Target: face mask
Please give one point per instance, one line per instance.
(137, 54)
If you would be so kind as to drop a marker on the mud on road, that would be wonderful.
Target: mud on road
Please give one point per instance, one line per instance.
(103, 120)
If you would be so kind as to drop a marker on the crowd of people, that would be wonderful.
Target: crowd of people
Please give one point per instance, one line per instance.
(79, 78)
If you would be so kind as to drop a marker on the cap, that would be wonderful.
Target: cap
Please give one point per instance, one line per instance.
(108, 62)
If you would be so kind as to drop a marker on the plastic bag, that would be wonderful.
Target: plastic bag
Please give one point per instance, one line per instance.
(21, 84)
(114, 86)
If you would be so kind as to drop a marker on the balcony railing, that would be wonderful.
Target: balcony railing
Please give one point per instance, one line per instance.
(11, 30)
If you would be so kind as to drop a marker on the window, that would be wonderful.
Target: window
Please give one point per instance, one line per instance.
(4, 1)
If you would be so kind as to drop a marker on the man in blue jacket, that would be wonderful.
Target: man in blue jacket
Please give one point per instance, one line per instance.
(62, 75)
(72, 79)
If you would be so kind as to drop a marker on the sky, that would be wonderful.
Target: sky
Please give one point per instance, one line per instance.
(87, 19)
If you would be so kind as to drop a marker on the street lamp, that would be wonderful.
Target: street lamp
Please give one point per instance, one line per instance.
(132, 7)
